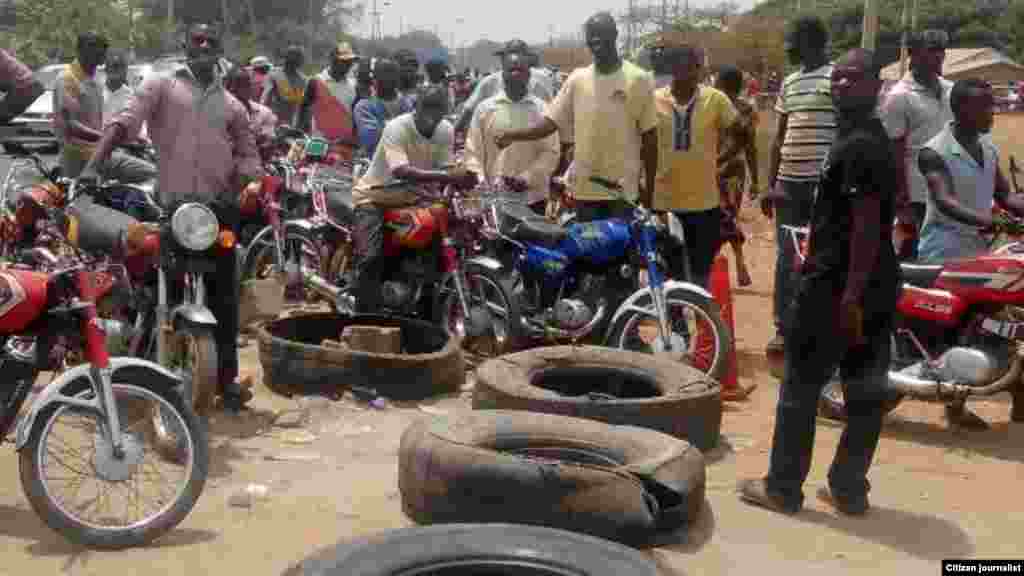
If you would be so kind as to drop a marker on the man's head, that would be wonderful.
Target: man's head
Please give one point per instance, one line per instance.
(92, 51)
(437, 69)
(431, 106)
(685, 62)
(202, 47)
(409, 66)
(928, 52)
(601, 34)
(515, 71)
(730, 81)
(342, 59)
(855, 81)
(238, 82)
(806, 39)
(973, 105)
(386, 75)
(117, 69)
(294, 58)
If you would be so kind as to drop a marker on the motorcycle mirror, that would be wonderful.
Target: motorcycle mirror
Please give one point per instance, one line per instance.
(15, 148)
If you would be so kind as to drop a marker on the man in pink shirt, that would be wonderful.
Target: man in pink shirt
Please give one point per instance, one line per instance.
(207, 154)
(262, 120)
(21, 87)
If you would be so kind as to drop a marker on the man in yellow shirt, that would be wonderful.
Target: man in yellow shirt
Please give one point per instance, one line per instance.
(607, 109)
(691, 120)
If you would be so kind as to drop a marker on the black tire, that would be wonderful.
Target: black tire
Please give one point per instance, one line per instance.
(82, 534)
(295, 362)
(705, 307)
(621, 483)
(448, 298)
(488, 548)
(608, 385)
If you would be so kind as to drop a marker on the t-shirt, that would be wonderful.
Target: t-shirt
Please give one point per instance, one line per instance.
(806, 99)
(401, 144)
(605, 115)
(858, 163)
(688, 148)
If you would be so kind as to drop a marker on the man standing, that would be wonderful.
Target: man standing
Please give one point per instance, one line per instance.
(216, 160)
(414, 148)
(608, 108)
(373, 113)
(21, 86)
(326, 109)
(850, 281)
(260, 69)
(262, 121)
(285, 89)
(961, 171)
(691, 119)
(914, 111)
(492, 85)
(805, 131)
(78, 107)
(527, 166)
(117, 90)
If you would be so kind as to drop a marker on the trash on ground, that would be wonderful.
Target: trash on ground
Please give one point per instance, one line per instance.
(294, 457)
(246, 496)
(291, 419)
(348, 430)
(298, 437)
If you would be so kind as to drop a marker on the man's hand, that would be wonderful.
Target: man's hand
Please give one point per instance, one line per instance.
(771, 198)
(502, 140)
(251, 194)
(851, 322)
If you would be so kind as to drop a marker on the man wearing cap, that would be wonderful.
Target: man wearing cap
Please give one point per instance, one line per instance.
(327, 107)
(493, 84)
(286, 88)
(915, 110)
(260, 66)
(436, 68)
(408, 79)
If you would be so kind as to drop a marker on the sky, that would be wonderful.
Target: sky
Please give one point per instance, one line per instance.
(531, 20)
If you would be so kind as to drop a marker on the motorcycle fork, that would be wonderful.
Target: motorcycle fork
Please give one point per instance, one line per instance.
(95, 348)
(451, 263)
(657, 284)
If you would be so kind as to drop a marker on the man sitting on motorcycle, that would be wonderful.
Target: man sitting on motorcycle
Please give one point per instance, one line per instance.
(207, 166)
(964, 179)
(414, 148)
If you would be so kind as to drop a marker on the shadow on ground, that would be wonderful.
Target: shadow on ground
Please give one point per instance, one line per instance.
(1003, 441)
(689, 539)
(922, 536)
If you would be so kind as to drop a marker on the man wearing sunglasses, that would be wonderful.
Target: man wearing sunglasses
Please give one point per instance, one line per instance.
(208, 154)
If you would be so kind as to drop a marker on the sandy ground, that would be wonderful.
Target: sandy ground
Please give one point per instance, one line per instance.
(936, 494)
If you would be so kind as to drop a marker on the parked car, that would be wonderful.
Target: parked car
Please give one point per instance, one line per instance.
(36, 123)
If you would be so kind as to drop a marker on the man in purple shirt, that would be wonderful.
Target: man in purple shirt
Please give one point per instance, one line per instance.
(21, 87)
(207, 154)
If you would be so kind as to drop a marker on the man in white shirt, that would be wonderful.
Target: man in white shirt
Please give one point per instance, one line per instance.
(525, 167)
(117, 90)
(539, 86)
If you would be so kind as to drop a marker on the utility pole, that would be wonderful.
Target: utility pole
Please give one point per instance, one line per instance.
(869, 38)
(904, 37)
(664, 16)
(312, 30)
(629, 29)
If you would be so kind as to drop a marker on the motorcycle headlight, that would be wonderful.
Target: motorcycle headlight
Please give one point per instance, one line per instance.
(194, 226)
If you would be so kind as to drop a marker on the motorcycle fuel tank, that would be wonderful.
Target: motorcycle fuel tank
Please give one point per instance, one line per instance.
(937, 306)
(551, 263)
(412, 227)
(991, 278)
(597, 242)
(22, 299)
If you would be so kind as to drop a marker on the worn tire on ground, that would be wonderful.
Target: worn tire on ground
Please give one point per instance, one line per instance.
(636, 390)
(295, 362)
(483, 547)
(620, 483)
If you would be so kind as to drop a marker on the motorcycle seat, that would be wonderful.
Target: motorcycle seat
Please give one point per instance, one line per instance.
(920, 275)
(526, 226)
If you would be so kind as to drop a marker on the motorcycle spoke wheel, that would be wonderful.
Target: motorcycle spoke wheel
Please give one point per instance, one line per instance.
(90, 486)
(693, 338)
(487, 297)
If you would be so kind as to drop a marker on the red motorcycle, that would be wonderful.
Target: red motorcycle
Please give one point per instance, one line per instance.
(958, 330)
(116, 400)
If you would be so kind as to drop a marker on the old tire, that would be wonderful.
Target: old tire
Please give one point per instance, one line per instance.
(605, 384)
(621, 483)
(295, 362)
(509, 549)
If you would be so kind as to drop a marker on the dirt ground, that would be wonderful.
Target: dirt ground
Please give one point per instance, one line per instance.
(936, 494)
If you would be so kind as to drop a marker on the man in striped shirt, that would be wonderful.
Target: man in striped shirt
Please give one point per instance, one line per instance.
(805, 131)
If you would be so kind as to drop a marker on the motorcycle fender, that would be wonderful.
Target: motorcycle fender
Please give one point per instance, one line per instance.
(631, 304)
(492, 264)
(59, 391)
(193, 315)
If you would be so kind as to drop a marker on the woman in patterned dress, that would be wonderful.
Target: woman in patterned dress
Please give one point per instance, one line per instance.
(737, 161)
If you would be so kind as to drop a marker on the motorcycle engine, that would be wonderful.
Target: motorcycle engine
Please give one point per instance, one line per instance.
(395, 295)
(575, 313)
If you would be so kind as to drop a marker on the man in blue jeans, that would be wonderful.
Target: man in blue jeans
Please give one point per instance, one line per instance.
(805, 131)
(844, 307)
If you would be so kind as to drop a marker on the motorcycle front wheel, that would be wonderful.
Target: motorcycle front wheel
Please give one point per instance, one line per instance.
(48, 464)
(493, 328)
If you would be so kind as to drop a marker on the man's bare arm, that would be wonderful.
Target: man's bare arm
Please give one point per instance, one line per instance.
(775, 157)
(542, 129)
(943, 193)
(1005, 198)
(78, 130)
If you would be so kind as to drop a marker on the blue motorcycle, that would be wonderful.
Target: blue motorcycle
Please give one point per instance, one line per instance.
(603, 283)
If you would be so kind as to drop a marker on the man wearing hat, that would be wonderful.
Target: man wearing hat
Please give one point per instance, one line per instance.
(494, 84)
(260, 66)
(327, 106)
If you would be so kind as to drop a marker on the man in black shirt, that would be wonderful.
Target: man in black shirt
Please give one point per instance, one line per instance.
(850, 282)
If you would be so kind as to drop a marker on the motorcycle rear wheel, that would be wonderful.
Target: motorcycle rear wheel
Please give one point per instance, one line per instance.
(100, 533)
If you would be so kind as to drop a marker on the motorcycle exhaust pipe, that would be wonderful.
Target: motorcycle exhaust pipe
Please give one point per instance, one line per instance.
(920, 388)
(325, 289)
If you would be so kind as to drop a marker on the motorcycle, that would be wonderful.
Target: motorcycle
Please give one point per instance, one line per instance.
(958, 330)
(605, 281)
(44, 316)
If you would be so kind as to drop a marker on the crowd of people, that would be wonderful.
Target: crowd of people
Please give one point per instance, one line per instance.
(843, 162)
